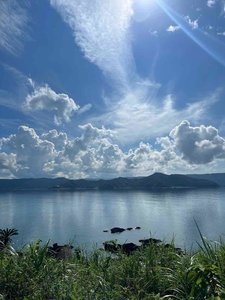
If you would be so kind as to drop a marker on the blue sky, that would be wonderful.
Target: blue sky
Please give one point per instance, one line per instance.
(108, 88)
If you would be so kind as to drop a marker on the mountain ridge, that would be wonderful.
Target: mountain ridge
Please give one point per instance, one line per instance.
(154, 181)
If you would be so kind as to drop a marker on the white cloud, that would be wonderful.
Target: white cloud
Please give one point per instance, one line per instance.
(84, 109)
(209, 27)
(59, 139)
(54, 154)
(95, 153)
(172, 28)
(30, 151)
(7, 165)
(198, 145)
(140, 114)
(193, 23)
(223, 7)
(221, 33)
(13, 21)
(211, 3)
(44, 98)
(101, 29)
(4, 161)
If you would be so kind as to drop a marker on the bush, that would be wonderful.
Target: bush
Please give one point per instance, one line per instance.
(154, 272)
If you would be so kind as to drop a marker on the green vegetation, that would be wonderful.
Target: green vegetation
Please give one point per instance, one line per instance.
(7, 234)
(153, 272)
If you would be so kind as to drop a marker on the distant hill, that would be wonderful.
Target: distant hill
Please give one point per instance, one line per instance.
(218, 178)
(155, 181)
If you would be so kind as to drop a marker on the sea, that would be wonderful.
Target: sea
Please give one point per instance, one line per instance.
(80, 218)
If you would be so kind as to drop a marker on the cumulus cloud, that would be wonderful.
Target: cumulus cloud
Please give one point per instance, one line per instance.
(59, 139)
(101, 29)
(45, 99)
(192, 23)
(30, 150)
(198, 145)
(96, 153)
(172, 28)
(7, 165)
(13, 22)
(53, 154)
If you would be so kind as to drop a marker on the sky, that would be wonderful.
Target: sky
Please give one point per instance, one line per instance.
(109, 88)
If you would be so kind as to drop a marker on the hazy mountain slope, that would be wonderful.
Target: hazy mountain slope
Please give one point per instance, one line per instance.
(218, 178)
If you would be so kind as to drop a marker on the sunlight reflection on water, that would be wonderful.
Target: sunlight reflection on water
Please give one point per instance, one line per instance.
(82, 216)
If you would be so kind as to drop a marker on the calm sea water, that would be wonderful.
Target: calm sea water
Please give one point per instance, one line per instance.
(81, 217)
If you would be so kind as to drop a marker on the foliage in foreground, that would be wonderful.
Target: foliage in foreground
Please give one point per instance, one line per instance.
(154, 272)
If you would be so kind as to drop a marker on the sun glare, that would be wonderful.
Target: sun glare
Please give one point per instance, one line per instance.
(143, 2)
(142, 9)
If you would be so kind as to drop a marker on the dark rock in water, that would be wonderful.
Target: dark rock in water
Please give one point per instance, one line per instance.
(146, 242)
(117, 230)
(111, 246)
(179, 251)
(105, 231)
(129, 228)
(138, 227)
(169, 246)
(60, 252)
(128, 248)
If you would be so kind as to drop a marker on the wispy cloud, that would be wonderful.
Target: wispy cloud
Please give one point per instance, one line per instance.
(101, 29)
(172, 28)
(13, 22)
(207, 42)
(141, 114)
(209, 27)
(153, 32)
(221, 33)
(193, 23)
(14, 96)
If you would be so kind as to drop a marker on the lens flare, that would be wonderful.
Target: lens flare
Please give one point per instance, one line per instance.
(211, 45)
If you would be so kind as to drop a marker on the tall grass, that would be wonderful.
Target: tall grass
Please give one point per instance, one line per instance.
(152, 273)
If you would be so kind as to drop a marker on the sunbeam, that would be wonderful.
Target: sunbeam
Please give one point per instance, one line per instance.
(211, 45)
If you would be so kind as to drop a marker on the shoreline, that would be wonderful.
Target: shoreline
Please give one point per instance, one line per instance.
(153, 272)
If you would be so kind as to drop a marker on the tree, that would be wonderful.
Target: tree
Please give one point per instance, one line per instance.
(6, 235)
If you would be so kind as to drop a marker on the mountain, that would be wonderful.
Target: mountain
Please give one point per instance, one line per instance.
(218, 178)
(155, 181)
